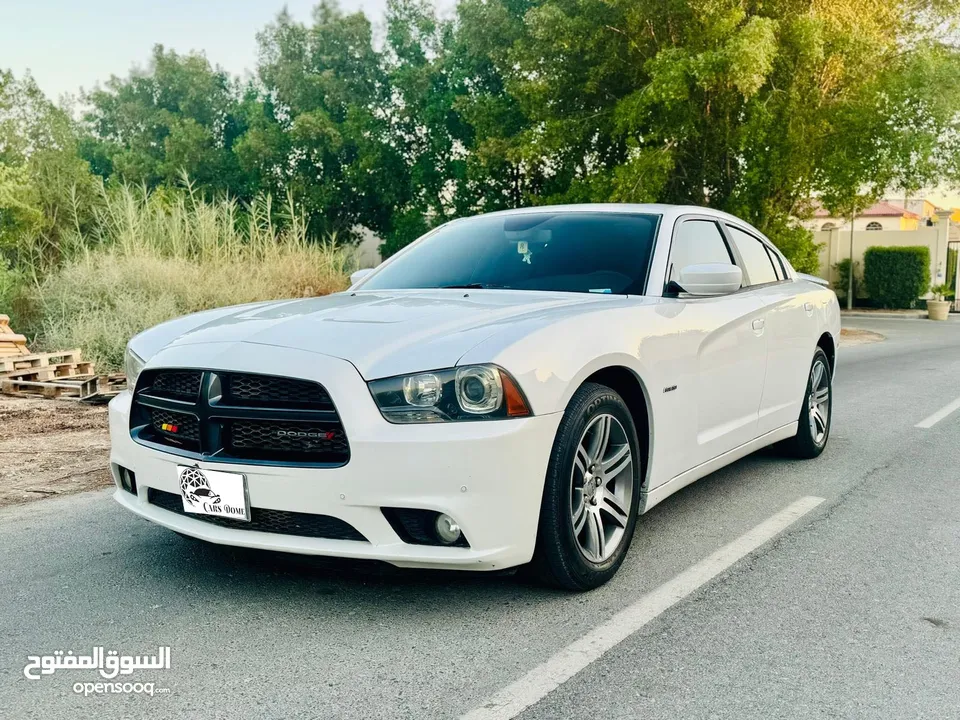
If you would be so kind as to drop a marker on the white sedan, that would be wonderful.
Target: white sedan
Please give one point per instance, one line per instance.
(511, 389)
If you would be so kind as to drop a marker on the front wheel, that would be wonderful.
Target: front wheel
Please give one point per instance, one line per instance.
(813, 425)
(591, 493)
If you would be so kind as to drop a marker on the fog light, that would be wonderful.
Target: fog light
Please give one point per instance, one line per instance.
(128, 480)
(447, 529)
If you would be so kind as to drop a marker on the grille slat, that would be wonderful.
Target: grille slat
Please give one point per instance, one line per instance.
(266, 520)
(178, 384)
(269, 391)
(238, 417)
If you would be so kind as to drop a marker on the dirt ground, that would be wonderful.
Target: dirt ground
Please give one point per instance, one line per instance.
(50, 448)
(849, 336)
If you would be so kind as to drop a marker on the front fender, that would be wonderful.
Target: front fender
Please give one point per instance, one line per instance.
(551, 360)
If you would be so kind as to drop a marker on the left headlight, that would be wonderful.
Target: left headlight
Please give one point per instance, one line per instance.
(470, 392)
(132, 365)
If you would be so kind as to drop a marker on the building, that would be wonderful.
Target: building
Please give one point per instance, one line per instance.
(898, 227)
(882, 215)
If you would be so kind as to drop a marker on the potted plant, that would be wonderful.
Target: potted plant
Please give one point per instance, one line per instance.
(938, 308)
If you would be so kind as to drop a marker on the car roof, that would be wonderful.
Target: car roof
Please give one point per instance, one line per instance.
(633, 208)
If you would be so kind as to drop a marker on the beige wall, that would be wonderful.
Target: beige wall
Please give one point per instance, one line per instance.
(886, 222)
(836, 247)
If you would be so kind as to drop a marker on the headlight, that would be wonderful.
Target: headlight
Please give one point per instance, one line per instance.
(472, 392)
(132, 364)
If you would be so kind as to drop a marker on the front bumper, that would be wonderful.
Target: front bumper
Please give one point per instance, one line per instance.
(487, 475)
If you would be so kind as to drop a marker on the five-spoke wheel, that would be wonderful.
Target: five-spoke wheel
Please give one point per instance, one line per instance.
(813, 425)
(591, 493)
(818, 400)
(601, 487)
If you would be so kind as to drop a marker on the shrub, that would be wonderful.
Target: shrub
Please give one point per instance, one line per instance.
(843, 277)
(896, 276)
(155, 259)
(952, 269)
(9, 282)
(941, 292)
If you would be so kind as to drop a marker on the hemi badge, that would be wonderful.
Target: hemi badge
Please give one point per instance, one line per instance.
(670, 389)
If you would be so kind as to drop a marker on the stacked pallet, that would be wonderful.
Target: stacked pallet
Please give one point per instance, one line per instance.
(57, 375)
(53, 375)
(10, 342)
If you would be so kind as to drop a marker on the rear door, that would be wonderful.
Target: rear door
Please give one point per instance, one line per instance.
(788, 326)
(721, 352)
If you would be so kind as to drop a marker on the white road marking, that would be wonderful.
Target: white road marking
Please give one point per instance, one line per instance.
(543, 679)
(939, 415)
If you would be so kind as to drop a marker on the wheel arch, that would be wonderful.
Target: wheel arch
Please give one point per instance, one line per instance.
(631, 388)
(829, 346)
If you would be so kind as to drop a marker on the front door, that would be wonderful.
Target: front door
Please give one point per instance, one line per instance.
(722, 353)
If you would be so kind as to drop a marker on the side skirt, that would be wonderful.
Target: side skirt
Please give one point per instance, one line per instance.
(652, 497)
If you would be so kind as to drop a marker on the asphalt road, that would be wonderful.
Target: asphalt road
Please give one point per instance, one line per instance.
(853, 611)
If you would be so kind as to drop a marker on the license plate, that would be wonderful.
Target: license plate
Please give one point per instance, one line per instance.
(213, 492)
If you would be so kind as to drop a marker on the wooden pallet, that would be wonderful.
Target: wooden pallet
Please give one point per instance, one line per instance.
(95, 389)
(11, 343)
(51, 372)
(38, 360)
(80, 388)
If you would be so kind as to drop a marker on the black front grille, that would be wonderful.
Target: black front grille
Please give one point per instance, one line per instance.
(280, 522)
(269, 391)
(238, 417)
(177, 384)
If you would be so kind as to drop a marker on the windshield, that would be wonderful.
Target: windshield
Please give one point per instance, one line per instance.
(556, 251)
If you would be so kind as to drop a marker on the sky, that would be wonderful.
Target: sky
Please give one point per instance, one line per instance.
(72, 44)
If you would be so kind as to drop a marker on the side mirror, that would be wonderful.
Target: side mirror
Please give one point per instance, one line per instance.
(359, 275)
(711, 279)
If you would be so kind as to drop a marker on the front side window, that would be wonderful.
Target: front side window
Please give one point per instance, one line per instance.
(756, 259)
(552, 251)
(696, 242)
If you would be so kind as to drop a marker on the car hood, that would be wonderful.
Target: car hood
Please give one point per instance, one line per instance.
(382, 333)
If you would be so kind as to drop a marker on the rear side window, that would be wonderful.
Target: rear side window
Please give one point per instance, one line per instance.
(756, 259)
(696, 242)
(777, 265)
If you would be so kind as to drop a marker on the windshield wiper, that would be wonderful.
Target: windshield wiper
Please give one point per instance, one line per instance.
(472, 286)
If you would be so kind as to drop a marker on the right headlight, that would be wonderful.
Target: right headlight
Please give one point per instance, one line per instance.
(471, 392)
(132, 365)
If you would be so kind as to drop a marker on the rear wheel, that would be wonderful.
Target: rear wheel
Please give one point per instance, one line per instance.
(813, 425)
(591, 494)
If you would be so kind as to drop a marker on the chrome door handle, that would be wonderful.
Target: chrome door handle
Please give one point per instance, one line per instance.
(758, 324)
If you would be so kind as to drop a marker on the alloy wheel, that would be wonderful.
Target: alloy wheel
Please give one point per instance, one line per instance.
(818, 401)
(601, 488)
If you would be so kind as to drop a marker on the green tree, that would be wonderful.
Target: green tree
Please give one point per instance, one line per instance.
(321, 132)
(748, 107)
(47, 193)
(178, 116)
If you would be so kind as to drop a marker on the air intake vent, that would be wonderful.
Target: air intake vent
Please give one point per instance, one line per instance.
(266, 520)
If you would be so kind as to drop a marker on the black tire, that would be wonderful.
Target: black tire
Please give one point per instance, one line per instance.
(558, 559)
(805, 444)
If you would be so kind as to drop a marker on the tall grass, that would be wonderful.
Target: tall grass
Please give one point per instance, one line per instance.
(154, 257)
